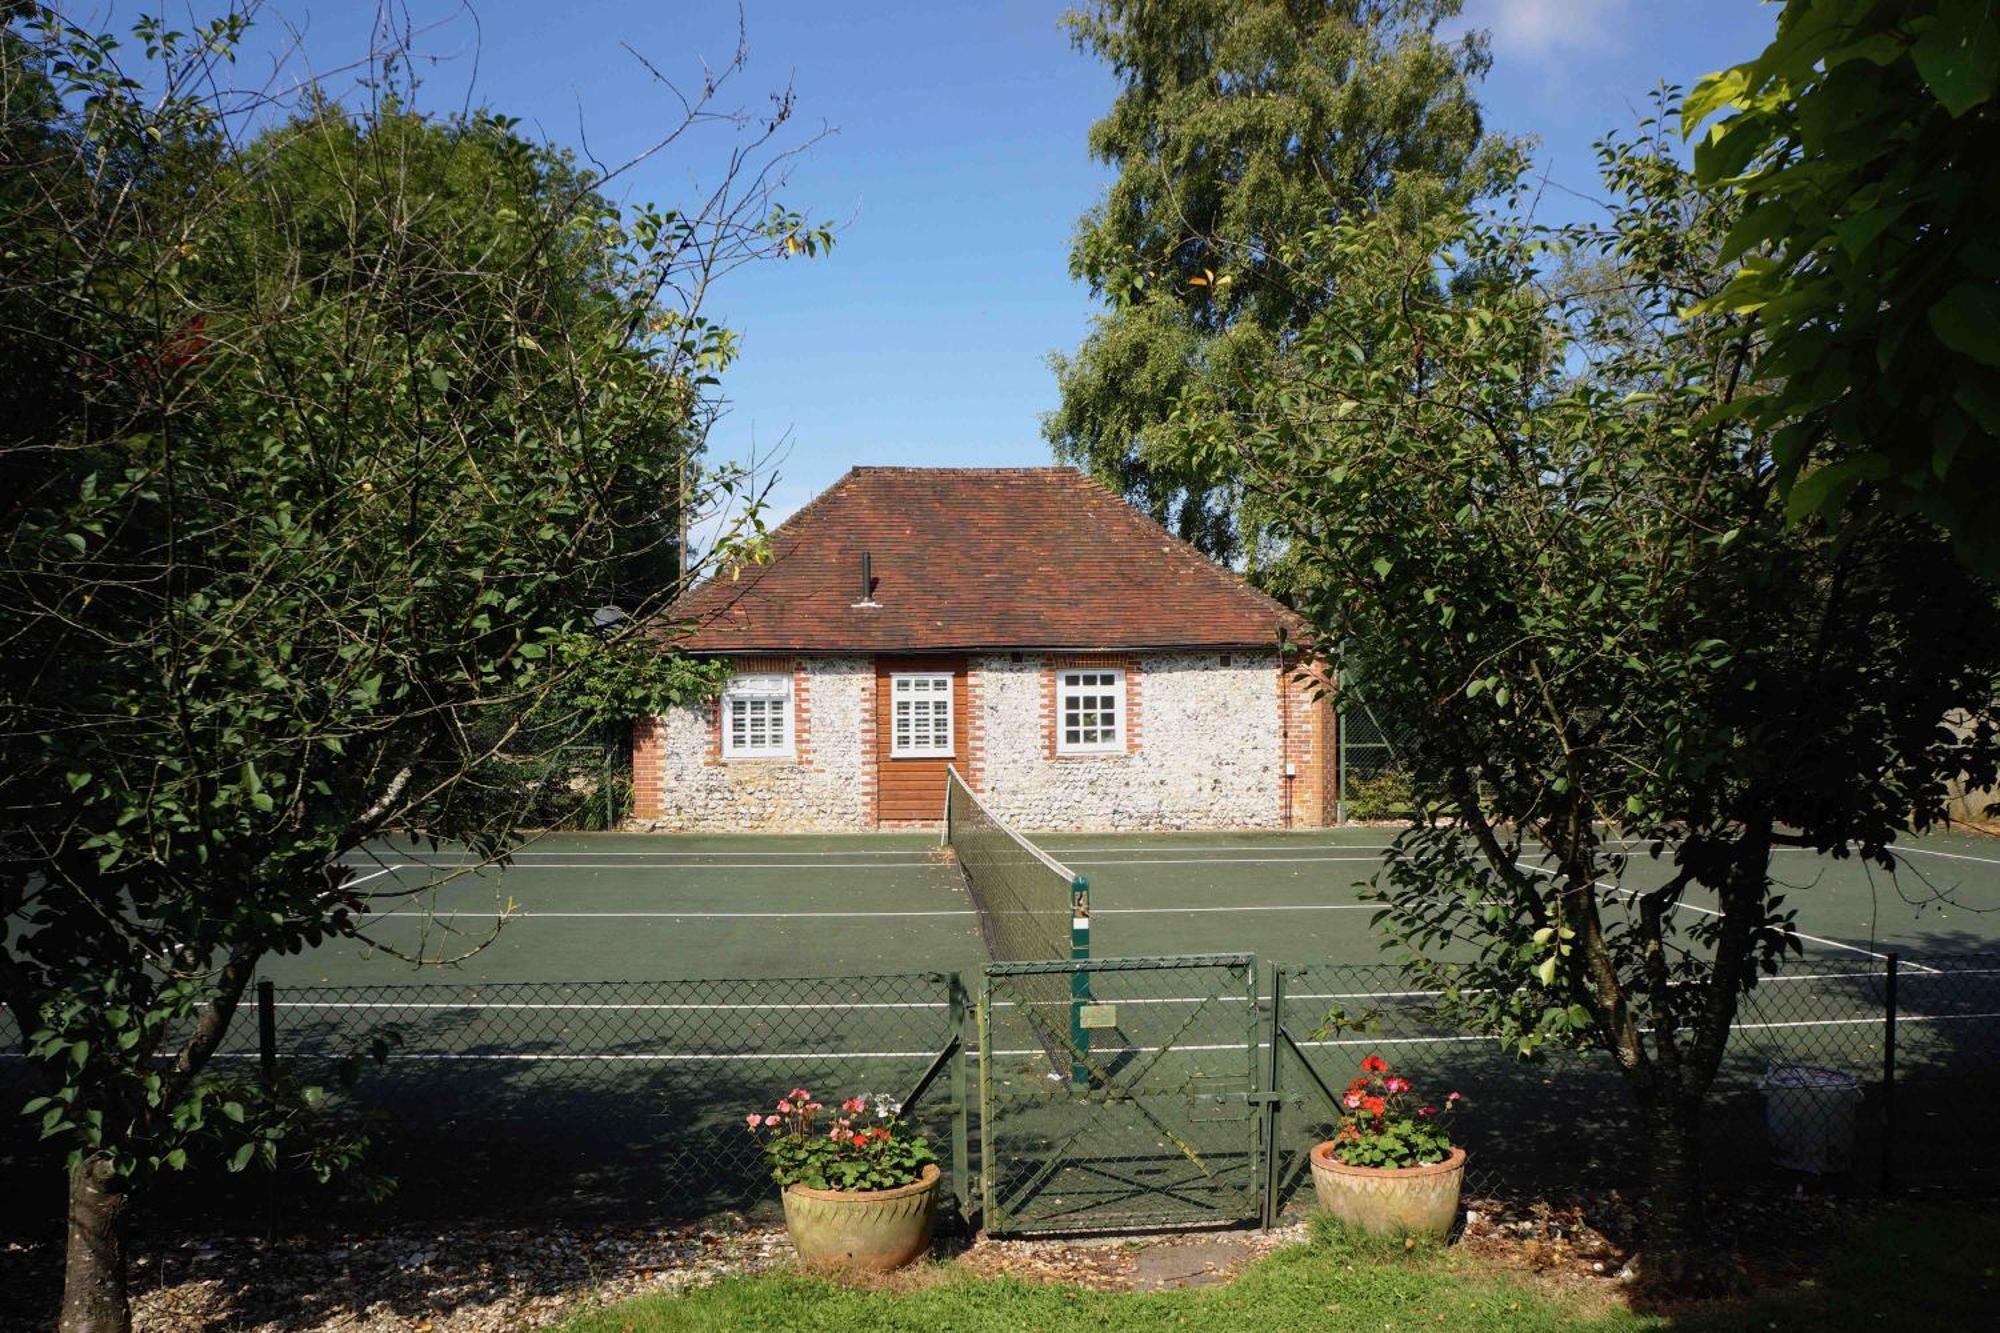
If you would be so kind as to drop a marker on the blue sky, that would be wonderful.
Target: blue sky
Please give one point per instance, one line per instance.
(955, 169)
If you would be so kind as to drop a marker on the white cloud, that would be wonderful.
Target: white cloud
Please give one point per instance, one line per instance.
(1541, 29)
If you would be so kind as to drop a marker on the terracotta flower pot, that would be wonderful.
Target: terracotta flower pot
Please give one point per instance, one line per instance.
(1383, 1201)
(872, 1230)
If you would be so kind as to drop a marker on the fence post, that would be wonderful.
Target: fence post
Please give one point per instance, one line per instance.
(961, 1152)
(1274, 997)
(267, 1032)
(1889, 1074)
(267, 1073)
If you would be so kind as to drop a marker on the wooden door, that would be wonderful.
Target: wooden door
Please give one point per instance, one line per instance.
(910, 787)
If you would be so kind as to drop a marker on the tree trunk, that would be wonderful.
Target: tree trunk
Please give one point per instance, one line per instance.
(1674, 1244)
(94, 1299)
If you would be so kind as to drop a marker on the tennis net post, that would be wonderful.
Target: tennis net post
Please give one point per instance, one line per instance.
(1079, 981)
(1020, 891)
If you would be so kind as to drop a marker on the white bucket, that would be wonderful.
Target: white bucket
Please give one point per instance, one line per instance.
(1810, 1115)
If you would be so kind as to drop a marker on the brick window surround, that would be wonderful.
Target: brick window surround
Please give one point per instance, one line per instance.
(801, 755)
(1134, 711)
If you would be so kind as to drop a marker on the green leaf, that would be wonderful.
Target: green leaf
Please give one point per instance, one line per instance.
(1967, 320)
(1858, 232)
(1711, 94)
(242, 1157)
(1545, 971)
(1959, 56)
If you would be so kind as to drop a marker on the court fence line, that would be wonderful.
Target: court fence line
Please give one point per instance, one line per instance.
(520, 1100)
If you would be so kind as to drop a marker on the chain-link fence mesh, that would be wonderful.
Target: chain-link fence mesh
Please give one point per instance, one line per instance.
(1373, 781)
(627, 1100)
(603, 1099)
(1868, 1072)
(1149, 1123)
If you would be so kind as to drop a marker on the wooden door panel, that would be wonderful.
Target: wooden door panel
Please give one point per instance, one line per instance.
(913, 789)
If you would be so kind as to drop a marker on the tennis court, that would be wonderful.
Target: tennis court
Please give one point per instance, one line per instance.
(659, 907)
(645, 992)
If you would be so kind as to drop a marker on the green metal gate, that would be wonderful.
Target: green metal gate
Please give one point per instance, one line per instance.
(1120, 1093)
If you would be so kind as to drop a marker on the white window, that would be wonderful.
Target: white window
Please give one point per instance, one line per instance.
(919, 716)
(1090, 712)
(757, 717)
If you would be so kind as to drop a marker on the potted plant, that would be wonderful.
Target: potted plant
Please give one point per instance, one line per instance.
(1391, 1168)
(860, 1194)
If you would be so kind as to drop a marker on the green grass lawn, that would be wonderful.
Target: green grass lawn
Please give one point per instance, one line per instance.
(1904, 1269)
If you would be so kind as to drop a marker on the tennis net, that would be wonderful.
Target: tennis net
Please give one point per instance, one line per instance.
(1032, 909)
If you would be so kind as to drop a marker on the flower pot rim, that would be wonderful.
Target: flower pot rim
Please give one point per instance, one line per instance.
(1322, 1157)
(928, 1181)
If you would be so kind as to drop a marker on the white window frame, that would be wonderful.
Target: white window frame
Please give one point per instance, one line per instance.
(905, 693)
(1070, 686)
(753, 692)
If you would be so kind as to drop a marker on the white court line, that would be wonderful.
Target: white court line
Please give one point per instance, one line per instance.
(679, 1057)
(729, 865)
(693, 1057)
(1954, 856)
(931, 851)
(671, 916)
(955, 911)
(1709, 911)
(386, 870)
(593, 1004)
(1229, 861)
(818, 1005)
(518, 865)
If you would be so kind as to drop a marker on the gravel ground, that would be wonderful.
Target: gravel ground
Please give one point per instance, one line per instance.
(475, 1279)
(467, 1280)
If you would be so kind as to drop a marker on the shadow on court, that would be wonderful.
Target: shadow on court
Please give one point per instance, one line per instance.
(518, 1095)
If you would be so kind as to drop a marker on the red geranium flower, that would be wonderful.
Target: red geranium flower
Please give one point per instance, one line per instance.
(1374, 1105)
(1374, 1064)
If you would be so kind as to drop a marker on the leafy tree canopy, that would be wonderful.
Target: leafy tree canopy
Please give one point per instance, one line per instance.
(1241, 127)
(1532, 530)
(1862, 141)
(327, 428)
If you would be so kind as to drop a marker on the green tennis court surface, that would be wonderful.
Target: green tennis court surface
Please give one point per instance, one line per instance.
(625, 907)
(598, 1053)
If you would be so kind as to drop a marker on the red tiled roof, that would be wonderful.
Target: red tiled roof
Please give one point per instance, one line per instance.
(976, 558)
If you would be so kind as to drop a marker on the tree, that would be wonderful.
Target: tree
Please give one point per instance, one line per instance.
(323, 442)
(1532, 521)
(1860, 142)
(1241, 127)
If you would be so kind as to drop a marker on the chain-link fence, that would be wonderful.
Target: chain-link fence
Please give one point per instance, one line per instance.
(606, 1099)
(626, 1100)
(1876, 1073)
(1373, 781)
